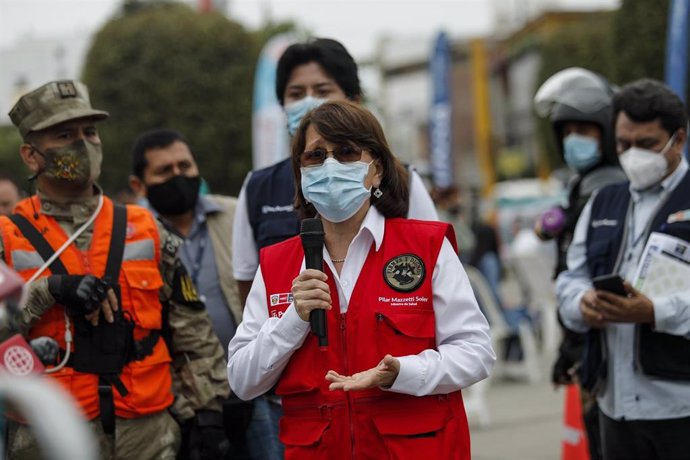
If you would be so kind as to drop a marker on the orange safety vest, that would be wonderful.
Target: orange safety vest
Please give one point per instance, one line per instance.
(149, 380)
(380, 319)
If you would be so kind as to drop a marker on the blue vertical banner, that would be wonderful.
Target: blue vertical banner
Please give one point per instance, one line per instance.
(677, 49)
(269, 124)
(440, 115)
(677, 46)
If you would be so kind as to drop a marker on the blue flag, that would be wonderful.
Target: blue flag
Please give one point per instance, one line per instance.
(269, 124)
(677, 46)
(440, 115)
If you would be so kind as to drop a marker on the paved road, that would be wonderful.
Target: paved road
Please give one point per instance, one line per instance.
(526, 423)
(526, 419)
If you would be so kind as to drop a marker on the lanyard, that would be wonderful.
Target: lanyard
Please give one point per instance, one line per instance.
(630, 219)
(196, 264)
(635, 239)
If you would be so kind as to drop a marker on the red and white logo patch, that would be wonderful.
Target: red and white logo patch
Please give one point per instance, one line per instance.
(279, 303)
(279, 299)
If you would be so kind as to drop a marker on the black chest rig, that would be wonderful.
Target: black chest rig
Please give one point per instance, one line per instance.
(106, 348)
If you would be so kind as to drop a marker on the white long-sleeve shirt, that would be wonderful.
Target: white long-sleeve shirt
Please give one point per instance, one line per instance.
(263, 346)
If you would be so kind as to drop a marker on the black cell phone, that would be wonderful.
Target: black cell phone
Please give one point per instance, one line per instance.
(611, 283)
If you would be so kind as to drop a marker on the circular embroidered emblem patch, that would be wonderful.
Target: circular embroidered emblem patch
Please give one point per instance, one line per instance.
(404, 273)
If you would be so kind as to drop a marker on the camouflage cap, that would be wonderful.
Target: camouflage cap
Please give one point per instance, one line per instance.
(53, 103)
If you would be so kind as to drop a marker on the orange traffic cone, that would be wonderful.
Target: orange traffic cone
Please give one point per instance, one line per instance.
(574, 443)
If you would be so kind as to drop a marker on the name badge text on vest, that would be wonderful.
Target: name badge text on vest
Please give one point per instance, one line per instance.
(411, 301)
(604, 223)
(273, 209)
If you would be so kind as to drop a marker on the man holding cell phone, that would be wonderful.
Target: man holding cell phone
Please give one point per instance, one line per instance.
(637, 356)
(614, 299)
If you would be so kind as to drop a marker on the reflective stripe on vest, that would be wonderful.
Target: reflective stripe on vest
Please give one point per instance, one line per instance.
(149, 381)
(26, 260)
(140, 250)
(32, 260)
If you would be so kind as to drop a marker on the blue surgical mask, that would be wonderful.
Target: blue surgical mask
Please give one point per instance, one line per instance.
(581, 152)
(336, 189)
(297, 110)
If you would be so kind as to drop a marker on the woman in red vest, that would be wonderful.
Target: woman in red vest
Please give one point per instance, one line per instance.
(404, 331)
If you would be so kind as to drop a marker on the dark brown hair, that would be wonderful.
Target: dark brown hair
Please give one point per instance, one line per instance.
(345, 122)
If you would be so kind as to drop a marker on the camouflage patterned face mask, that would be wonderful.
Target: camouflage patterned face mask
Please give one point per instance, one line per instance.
(77, 163)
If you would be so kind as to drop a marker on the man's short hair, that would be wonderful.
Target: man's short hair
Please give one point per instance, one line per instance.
(646, 100)
(330, 55)
(154, 139)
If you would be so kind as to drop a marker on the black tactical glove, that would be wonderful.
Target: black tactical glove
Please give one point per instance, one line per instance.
(562, 372)
(237, 415)
(203, 437)
(80, 294)
(569, 358)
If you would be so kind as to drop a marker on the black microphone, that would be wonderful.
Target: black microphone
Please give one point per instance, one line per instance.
(46, 348)
(311, 234)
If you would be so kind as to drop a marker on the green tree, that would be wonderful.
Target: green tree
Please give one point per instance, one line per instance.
(639, 40)
(584, 44)
(166, 65)
(10, 161)
(645, 54)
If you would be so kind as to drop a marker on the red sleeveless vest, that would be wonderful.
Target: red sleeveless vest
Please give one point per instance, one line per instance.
(380, 319)
(149, 380)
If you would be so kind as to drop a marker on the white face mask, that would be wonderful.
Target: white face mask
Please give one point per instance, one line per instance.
(643, 167)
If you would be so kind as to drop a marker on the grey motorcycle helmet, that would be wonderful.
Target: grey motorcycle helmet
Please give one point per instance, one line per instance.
(577, 94)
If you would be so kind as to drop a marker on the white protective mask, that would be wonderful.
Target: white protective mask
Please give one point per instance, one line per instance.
(643, 167)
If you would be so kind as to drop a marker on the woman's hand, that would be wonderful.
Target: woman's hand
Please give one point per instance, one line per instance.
(310, 292)
(383, 375)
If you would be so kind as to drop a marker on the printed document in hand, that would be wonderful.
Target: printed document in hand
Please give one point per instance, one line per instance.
(665, 266)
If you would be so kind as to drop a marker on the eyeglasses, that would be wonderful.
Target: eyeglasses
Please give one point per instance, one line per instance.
(343, 153)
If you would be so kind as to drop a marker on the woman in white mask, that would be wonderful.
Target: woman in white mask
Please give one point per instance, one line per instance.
(397, 302)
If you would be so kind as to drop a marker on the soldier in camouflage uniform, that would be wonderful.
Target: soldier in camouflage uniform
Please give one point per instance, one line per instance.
(168, 332)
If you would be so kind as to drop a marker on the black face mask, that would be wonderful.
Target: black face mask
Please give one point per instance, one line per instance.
(175, 196)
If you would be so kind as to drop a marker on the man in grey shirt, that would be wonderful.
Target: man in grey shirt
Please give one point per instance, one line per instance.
(637, 356)
(166, 174)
